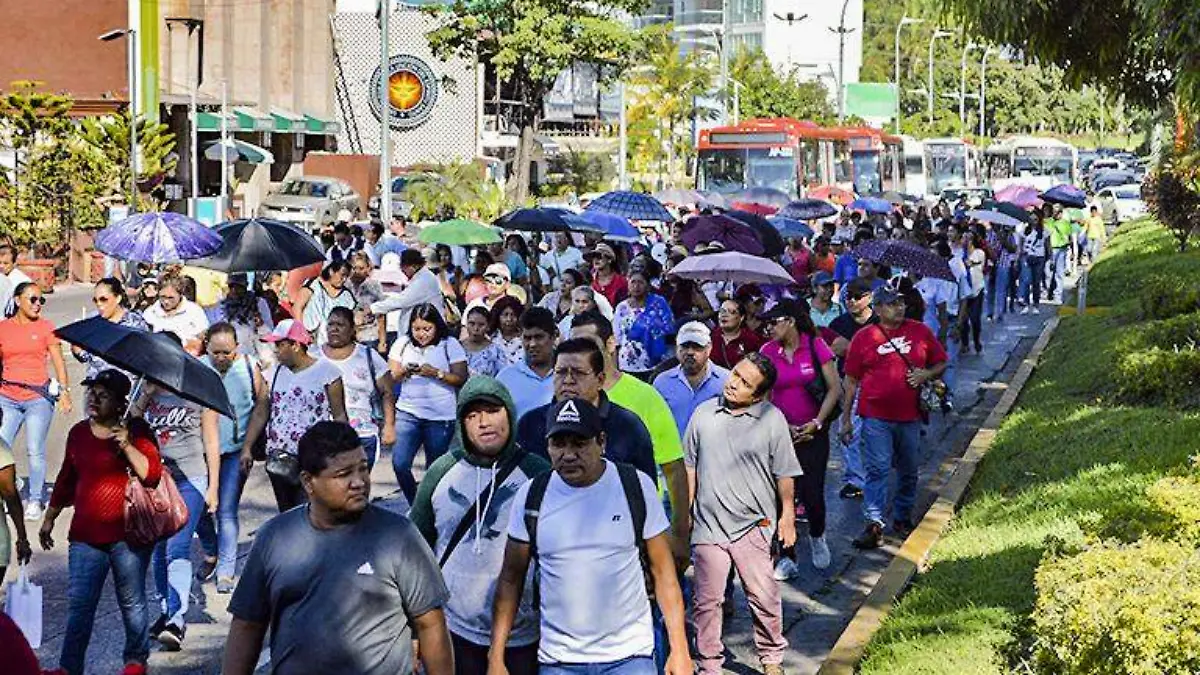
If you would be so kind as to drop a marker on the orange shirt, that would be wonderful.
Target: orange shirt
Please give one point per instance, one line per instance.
(826, 263)
(24, 348)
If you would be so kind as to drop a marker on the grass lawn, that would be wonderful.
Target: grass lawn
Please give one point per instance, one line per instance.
(1068, 463)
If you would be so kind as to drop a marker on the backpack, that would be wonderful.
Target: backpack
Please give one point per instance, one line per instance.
(632, 487)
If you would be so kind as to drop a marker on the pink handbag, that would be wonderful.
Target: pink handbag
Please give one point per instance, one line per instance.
(153, 514)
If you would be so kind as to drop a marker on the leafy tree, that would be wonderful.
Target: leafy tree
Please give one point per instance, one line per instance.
(768, 93)
(461, 190)
(108, 139)
(581, 172)
(529, 42)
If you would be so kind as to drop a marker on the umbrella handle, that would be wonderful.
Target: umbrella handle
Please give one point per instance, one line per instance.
(133, 396)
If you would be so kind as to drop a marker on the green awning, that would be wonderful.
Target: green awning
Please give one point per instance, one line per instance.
(211, 122)
(322, 127)
(288, 122)
(250, 119)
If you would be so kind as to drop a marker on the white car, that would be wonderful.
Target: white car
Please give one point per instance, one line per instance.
(1121, 203)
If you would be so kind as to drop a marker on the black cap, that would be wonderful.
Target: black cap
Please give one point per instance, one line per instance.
(113, 380)
(787, 307)
(574, 416)
(411, 257)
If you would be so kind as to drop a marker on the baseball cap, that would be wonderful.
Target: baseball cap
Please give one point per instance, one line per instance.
(886, 295)
(238, 279)
(822, 278)
(695, 333)
(574, 416)
(289, 329)
(497, 270)
(601, 249)
(787, 307)
(858, 288)
(113, 380)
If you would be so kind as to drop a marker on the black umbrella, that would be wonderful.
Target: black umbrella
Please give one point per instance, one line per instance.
(545, 219)
(1008, 209)
(261, 245)
(153, 356)
(767, 234)
(808, 209)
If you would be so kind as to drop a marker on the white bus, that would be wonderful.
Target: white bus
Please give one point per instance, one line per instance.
(950, 162)
(1040, 163)
(914, 167)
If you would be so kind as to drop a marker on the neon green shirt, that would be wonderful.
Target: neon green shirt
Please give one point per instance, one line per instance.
(1060, 232)
(633, 394)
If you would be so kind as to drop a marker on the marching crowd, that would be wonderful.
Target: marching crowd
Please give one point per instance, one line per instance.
(592, 428)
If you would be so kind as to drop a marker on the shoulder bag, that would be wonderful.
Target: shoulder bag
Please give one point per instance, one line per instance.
(931, 395)
(153, 513)
(282, 465)
(376, 397)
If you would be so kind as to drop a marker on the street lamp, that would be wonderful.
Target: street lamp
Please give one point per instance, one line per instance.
(131, 34)
(939, 33)
(194, 165)
(737, 100)
(842, 32)
(962, 87)
(790, 18)
(983, 88)
(908, 20)
(385, 126)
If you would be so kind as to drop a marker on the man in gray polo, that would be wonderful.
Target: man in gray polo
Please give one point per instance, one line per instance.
(740, 465)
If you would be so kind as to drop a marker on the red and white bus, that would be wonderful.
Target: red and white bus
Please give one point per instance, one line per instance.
(795, 156)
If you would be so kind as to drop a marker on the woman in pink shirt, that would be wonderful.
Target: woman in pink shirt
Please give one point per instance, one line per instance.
(806, 392)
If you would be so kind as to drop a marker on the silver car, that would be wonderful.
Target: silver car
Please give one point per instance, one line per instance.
(311, 202)
(401, 205)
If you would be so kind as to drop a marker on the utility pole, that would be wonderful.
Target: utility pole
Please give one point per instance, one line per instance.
(722, 43)
(623, 144)
(929, 90)
(907, 20)
(130, 35)
(222, 207)
(385, 127)
(983, 90)
(962, 88)
(842, 31)
(193, 117)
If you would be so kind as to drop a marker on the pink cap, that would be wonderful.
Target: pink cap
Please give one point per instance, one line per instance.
(289, 329)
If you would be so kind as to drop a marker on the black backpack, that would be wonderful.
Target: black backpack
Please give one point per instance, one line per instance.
(634, 496)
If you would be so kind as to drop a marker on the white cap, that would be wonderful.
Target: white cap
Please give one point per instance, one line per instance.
(693, 332)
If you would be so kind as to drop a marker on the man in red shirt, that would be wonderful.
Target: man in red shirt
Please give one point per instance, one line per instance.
(889, 361)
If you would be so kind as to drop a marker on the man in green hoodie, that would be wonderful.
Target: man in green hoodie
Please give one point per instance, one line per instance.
(462, 509)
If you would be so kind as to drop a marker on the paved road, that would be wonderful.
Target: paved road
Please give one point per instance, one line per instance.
(817, 605)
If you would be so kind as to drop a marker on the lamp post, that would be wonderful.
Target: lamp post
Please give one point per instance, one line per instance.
(908, 20)
(385, 127)
(983, 88)
(962, 87)
(932, 39)
(842, 31)
(131, 35)
(193, 118)
(737, 100)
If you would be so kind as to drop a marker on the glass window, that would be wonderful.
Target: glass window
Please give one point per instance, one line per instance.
(749, 42)
(723, 170)
(746, 11)
(811, 159)
(841, 162)
(767, 168)
(866, 172)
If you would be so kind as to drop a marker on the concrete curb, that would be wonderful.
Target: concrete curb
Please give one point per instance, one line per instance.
(852, 643)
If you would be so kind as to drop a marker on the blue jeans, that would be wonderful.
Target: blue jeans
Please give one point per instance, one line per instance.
(172, 559)
(38, 412)
(370, 445)
(219, 536)
(997, 302)
(634, 665)
(87, 568)
(1030, 290)
(886, 444)
(852, 463)
(412, 433)
(1060, 269)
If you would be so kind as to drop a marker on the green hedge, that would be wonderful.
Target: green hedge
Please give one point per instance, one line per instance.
(1128, 609)
(1138, 249)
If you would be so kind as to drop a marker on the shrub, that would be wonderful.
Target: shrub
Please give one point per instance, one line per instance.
(1164, 296)
(1158, 375)
(1178, 331)
(1120, 609)
(1178, 498)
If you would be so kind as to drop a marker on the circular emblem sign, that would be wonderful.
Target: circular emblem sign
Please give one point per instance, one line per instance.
(412, 92)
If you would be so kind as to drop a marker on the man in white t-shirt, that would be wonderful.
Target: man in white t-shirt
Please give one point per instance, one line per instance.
(594, 607)
(562, 257)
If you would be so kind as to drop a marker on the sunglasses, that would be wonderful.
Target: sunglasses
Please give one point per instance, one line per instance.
(101, 300)
(37, 300)
(494, 279)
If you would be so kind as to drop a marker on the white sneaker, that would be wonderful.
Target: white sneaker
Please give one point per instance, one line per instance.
(33, 511)
(785, 569)
(1024, 310)
(1034, 311)
(820, 552)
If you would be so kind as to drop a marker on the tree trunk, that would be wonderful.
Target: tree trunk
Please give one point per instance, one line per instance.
(524, 155)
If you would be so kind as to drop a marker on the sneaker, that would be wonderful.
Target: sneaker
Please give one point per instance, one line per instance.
(849, 491)
(172, 638)
(225, 585)
(1034, 311)
(159, 625)
(872, 537)
(903, 527)
(820, 552)
(785, 569)
(772, 669)
(1025, 310)
(134, 669)
(207, 569)
(33, 511)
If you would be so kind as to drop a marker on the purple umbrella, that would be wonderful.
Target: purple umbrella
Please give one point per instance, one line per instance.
(731, 233)
(738, 268)
(1023, 196)
(905, 255)
(158, 238)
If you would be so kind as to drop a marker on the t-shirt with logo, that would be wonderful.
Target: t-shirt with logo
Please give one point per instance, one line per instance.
(594, 607)
(882, 374)
(176, 425)
(345, 605)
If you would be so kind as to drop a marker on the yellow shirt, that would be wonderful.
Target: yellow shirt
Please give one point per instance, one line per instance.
(1093, 229)
(210, 285)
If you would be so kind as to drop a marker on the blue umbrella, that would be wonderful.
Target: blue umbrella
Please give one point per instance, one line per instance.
(158, 238)
(790, 227)
(871, 205)
(1067, 195)
(545, 219)
(631, 205)
(808, 209)
(613, 226)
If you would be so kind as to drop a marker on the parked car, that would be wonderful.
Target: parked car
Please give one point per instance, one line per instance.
(311, 202)
(401, 206)
(1121, 203)
(974, 194)
(1111, 178)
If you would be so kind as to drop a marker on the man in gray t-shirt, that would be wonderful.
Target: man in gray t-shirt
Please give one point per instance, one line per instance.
(342, 585)
(740, 465)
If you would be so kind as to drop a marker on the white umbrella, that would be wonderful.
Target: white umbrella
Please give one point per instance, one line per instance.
(235, 149)
(738, 268)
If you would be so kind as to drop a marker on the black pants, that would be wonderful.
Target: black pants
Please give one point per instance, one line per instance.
(810, 488)
(288, 495)
(472, 659)
(971, 313)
